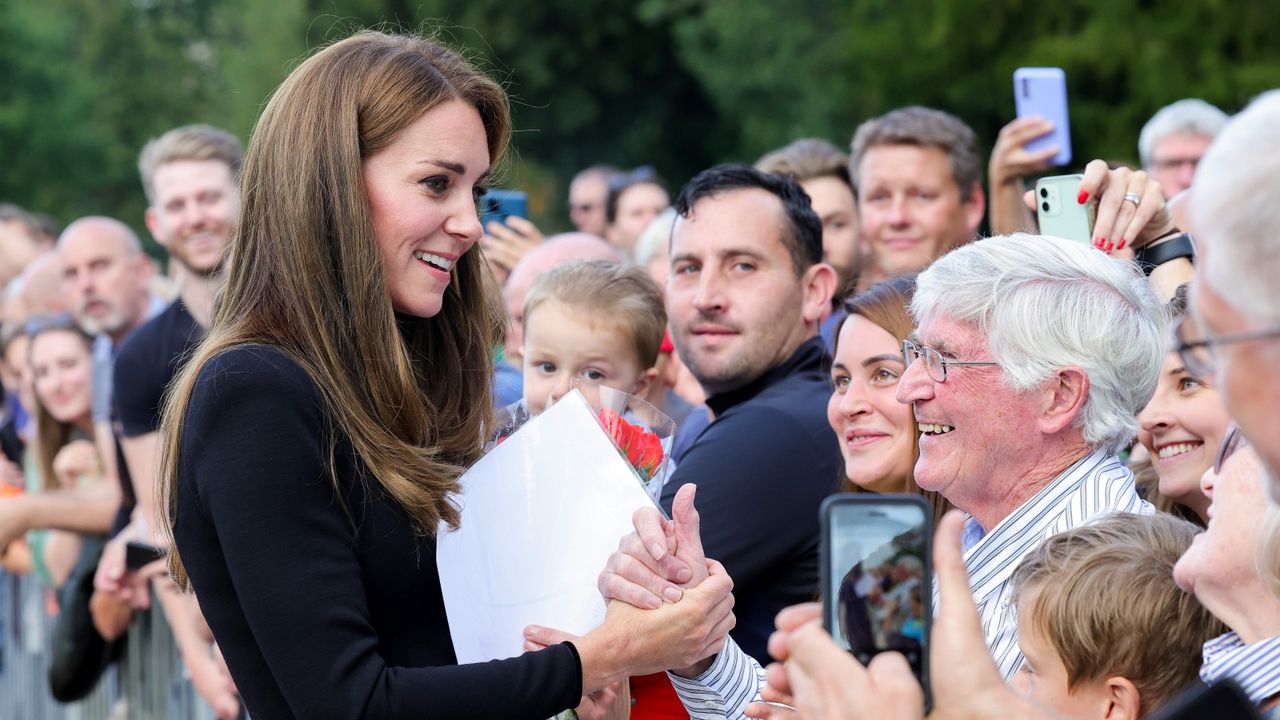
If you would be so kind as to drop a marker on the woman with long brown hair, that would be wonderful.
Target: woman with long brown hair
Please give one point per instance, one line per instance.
(878, 435)
(315, 440)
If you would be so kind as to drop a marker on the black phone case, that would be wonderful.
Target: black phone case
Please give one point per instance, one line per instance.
(825, 512)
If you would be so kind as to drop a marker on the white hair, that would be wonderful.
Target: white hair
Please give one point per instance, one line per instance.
(1235, 210)
(656, 234)
(1043, 303)
(1191, 116)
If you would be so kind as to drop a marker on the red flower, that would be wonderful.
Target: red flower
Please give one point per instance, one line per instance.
(641, 448)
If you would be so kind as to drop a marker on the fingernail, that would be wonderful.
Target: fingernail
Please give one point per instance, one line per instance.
(530, 647)
(1101, 243)
(1083, 197)
(532, 632)
(672, 594)
(684, 575)
(1123, 242)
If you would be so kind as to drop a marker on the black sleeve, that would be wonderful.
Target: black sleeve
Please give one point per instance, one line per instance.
(287, 589)
(757, 499)
(137, 387)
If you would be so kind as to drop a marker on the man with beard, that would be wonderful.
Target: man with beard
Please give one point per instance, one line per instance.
(190, 175)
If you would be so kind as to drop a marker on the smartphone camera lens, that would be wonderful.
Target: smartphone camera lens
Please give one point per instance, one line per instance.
(1044, 192)
(493, 206)
(1044, 206)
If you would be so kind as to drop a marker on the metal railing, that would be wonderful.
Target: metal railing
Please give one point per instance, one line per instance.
(147, 683)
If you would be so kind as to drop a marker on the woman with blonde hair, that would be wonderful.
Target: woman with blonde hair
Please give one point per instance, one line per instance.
(315, 439)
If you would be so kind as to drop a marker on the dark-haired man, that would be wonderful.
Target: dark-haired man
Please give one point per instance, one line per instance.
(747, 290)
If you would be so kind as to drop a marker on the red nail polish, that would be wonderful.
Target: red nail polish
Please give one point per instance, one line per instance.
(1100, 242)
(1083, 197)
(1123, 242)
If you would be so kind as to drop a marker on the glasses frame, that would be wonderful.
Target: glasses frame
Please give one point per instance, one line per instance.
(1194, 364)
(1231, 442)
(933, 358)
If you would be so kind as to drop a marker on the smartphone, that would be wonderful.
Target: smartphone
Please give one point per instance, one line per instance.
(138, 555)
(877, 580)
(1057, 211)
(1042, 92)
(498, 205)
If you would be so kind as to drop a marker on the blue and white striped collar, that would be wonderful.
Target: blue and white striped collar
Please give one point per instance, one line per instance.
(1095, 485)
(1255, 666)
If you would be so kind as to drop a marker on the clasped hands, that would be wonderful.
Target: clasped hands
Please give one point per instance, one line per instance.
(669, 607)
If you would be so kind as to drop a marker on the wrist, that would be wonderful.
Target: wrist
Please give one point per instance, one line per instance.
(1172, 246)
(601, 656)
(695, 669)
(1000, 180)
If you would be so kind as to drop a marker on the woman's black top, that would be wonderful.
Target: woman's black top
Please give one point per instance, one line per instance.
(320, 613)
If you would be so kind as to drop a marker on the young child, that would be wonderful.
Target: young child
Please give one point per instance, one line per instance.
(600, 322)
(595, 321)
(1105, 630)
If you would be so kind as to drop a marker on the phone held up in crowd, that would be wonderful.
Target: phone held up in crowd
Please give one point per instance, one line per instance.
(877, 580)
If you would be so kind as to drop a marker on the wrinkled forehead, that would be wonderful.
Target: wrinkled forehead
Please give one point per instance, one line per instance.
(948, 335)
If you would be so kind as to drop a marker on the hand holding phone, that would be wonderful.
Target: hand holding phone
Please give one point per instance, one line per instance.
(876, 576)
(1042, 92)
(498, 205)
(1059, 211)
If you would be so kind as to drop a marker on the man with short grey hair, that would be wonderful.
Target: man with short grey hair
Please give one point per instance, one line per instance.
(1174, 139)
(918, 177)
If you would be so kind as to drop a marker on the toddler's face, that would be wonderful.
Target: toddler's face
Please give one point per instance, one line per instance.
(563, 343)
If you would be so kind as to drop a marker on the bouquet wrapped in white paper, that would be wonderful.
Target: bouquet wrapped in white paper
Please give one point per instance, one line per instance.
(541, 513)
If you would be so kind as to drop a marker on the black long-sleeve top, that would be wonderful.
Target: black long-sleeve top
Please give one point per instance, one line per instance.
(320, 614)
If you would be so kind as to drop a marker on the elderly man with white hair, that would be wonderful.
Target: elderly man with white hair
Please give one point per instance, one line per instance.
(1031, 359)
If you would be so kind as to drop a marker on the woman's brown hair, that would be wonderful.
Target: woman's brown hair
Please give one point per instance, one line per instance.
(51, 433)
(304, 274)
(885, 304)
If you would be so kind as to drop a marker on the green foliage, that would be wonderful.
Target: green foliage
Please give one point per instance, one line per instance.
(680, 84)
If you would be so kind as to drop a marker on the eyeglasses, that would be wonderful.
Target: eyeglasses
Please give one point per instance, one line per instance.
(934, 363)
(1196, 351)
(1233, 441)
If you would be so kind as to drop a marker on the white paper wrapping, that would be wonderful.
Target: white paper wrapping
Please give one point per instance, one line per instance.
(541, 513)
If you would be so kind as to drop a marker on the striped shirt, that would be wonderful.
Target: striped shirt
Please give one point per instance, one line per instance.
(1096, 485)
(1256, 667)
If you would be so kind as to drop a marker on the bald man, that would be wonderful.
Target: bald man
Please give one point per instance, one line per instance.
(106, 277)
(556, 251)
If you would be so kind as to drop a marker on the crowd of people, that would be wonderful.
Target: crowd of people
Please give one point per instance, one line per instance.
(284, 406)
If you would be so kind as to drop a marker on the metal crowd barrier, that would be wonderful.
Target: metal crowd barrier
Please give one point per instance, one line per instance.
(147, 683)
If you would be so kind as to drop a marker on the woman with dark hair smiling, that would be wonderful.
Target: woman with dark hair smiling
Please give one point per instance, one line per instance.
(878, 435)
(315, 439)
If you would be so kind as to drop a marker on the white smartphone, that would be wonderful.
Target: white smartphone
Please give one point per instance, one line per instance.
(1057, 211)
